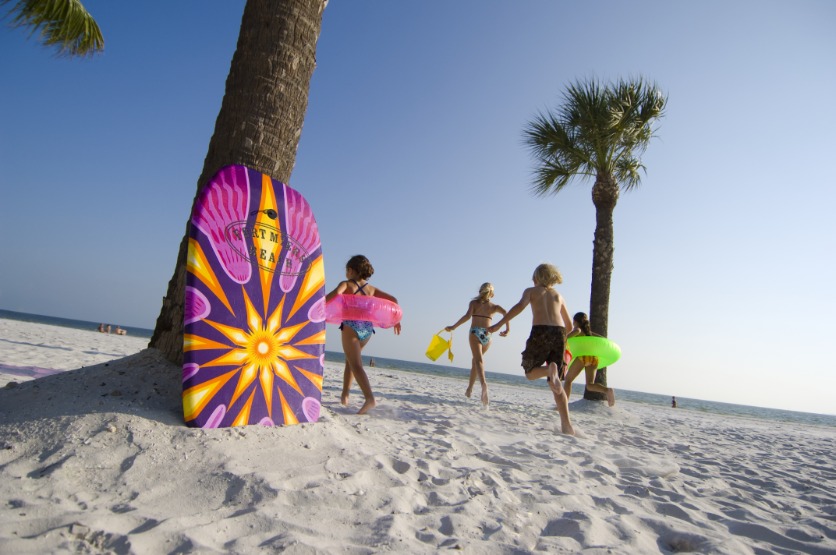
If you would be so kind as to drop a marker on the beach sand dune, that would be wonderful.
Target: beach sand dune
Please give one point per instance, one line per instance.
(98, 460)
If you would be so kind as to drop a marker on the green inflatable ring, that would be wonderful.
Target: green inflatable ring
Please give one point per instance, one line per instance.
(606, 351)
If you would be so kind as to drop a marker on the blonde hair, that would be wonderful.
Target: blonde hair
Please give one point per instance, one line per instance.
(485, 292)
(547, 275)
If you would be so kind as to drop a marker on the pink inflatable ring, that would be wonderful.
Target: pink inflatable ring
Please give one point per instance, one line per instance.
(378, 311)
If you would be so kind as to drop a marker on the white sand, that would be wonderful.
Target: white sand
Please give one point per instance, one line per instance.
(98, 460)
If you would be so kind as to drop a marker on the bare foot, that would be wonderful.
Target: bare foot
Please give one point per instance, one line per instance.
(610, 396)
(468, 391)
(344, 399)
(552, 375)
(367, 406)
(485, 396)
(567, 429)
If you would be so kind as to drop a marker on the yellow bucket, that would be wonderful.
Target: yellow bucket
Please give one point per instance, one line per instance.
(438, 345)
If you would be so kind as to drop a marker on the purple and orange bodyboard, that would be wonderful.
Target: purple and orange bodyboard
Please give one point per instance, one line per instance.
(254, 337)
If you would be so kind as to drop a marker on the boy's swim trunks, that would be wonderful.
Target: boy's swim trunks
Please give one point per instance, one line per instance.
(545, 345)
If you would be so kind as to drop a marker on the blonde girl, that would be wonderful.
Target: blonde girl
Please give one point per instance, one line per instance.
(480, 310)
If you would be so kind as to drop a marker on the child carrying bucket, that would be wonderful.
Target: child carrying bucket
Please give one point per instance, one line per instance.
(480, 310)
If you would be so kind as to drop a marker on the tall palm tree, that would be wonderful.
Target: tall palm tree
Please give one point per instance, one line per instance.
(260, 121)
(64, 24)
(600, 131)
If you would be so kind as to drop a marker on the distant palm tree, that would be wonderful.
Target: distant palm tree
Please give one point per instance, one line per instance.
(600, 132)
(64, 24)
(259, 123)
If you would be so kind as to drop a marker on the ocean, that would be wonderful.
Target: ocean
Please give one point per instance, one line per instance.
(70, 323)
(683, 403)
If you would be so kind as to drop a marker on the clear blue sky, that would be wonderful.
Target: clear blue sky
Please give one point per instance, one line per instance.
(412, 154)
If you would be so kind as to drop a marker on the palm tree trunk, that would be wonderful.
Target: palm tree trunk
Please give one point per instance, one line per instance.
(604, 197)
(260, 120)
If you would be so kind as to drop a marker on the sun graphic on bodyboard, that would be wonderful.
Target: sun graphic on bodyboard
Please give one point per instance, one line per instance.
(254, 338)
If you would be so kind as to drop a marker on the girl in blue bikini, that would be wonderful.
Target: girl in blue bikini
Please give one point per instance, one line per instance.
(480, 310)
(356, 333)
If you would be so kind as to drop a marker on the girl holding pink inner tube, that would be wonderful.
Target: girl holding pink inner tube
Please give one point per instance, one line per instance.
(357, 333)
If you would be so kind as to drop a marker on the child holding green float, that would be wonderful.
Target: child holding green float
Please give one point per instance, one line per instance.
(587, 363)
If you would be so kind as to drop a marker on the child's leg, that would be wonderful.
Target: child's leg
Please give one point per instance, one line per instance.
(560, 397)
(542, 372)
(474, 369)
(348, 377)
(537, 373)
(471, 380)
(561, 400)
(596, 387)
(573, 372)
(353, 349)
(478, 368)
(481, 370)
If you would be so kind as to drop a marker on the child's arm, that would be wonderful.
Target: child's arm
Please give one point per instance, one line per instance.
(507, 329)
(514, 312)
(384, 295)
(463, 319)
(338, 290)
(564, 313)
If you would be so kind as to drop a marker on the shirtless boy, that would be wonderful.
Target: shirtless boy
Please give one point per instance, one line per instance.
(543, 354)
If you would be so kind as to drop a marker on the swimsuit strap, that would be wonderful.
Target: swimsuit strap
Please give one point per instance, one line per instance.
(482, 316)
(360, 287)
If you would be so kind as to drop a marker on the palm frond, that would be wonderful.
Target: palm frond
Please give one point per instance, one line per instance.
(627, 172)
(598, 129)
(555, 146)
(550, 178)
(64, 24)
(546, 137)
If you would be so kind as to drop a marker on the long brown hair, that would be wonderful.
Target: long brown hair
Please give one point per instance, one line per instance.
(583, 322)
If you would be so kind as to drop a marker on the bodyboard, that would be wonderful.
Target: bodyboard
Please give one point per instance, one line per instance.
(254, 313)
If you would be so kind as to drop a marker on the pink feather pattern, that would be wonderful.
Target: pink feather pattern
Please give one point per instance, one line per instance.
(222, 205)
(303, 231)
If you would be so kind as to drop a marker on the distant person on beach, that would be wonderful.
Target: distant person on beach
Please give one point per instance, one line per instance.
(480, 311)
(356, 333)
(120, 331)
(108, 328)
(673, 402)
(371, 362)
(101, 328)
(587, 363)
(543, 354)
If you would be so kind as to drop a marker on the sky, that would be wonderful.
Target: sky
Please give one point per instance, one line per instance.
(412, 153)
